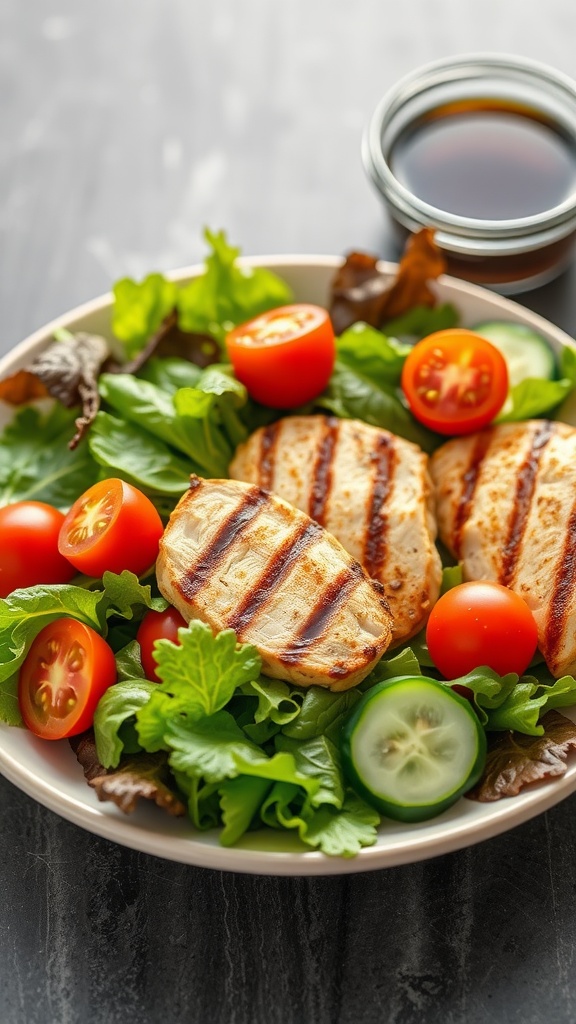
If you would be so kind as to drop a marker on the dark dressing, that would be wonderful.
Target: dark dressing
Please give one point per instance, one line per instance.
(486, 159)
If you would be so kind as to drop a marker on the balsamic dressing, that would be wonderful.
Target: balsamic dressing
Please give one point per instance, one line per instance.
(486, 159)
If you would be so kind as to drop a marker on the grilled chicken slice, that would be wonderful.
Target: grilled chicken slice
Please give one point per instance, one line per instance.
(369, 488)
(506, 502)
(240, 558)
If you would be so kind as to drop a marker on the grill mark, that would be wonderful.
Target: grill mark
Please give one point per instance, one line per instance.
(268, 442)
(563, 590)
(322, 475)
(199, 573)
(275, 573)
(525, 485)
(470, 480)
(375, 546)
(327, 606)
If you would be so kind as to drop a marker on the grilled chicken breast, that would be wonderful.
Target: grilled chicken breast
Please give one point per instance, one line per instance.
(240, 558)
(506, 502)
(367, 487)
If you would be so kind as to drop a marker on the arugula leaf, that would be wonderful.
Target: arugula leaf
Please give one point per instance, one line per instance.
(124, 595)
(36, 462)
(140, 308)
(199, 676)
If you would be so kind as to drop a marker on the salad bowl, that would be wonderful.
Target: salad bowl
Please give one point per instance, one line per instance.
(50, 773)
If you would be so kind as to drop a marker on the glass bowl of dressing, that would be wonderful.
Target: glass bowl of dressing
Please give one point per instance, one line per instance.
(481, 148)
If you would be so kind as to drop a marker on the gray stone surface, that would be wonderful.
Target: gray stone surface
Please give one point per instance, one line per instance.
(125, 126)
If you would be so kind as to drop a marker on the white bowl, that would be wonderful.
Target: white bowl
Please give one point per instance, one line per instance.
(50, 773)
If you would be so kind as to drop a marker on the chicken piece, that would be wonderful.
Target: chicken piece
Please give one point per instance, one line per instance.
(369, 488)
(240, 558)
(506, 502)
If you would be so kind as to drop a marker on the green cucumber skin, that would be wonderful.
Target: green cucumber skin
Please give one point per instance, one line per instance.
(497, 332)
(398, 812)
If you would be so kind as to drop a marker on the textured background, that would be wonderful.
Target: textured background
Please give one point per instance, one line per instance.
(125, 127)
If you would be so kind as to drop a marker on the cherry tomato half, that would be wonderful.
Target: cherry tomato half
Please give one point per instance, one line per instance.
(111, 526)
(455, 381)
(157, 626)
(481, 624)
(65, 673)
(285, 356)
(29, 546)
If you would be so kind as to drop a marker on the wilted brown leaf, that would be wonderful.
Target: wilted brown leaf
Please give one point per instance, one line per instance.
(361, 292)
(67, 370)
(21, 387)
(515, 760)
(137, 777)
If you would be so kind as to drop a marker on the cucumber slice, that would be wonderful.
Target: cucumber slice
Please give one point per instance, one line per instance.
(412, 746)
(526, 352)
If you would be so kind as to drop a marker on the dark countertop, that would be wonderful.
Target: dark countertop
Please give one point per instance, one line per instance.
(126, 128)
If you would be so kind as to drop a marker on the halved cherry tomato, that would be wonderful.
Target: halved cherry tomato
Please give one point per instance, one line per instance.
(29, 546)
(157, 626)
(455, 381)
(111, 526)
(65, 673)
(285, 356)
(481, 624)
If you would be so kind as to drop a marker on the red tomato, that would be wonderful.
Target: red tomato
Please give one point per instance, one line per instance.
(285, 356)
(29, 546)
(455, 381)
(111, 526)
(157, 626)
(66, 671)
(481, 624)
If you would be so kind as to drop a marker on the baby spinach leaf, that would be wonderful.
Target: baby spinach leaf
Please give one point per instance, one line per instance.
(37, 464)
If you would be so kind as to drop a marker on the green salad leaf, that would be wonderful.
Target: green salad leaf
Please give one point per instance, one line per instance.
(365, 385)
(25, 612)
(420, 321)
(226, 294)
(139, 308)
(515, 703)
(199, 676)
(36, 463)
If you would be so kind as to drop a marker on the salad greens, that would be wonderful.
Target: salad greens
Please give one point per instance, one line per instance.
(242, 750)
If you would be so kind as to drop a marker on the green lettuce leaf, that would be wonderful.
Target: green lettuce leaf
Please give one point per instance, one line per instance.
(240, 802)
(9, 707)
(115, 711)
(37, 464)
(337, 833)
(322, 713)
(227, 294)
(509, 702)
(320, 759)
(25, 612)
(199, 676)
(140, 308)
